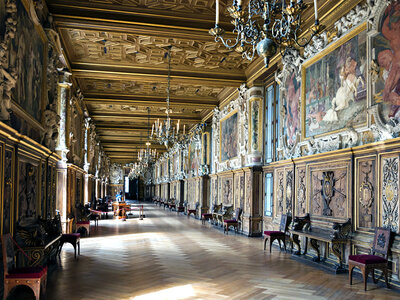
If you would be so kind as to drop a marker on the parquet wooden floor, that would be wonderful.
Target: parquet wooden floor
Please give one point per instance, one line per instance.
(166, 256)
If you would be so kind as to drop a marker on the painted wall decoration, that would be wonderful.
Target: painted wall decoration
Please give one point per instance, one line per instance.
(205, 142)
(290, 104)
(334, 92)
(229, 137)
(194, 159)
(255, 124)
(386, 52)
(27, 53)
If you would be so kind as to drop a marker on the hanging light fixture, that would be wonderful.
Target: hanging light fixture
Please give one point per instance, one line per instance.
(146, 156)
(165, 132)
(280, 27)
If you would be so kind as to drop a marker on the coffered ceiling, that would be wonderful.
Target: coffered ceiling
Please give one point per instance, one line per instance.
(117, 49)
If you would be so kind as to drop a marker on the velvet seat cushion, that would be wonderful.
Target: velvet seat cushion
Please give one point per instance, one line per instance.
(273, 233)
(367, 259)
(83, 222)
(71, 235)
(230, 221)
(30, 272)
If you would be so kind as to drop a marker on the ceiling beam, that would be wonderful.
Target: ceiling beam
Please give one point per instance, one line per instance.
(113, 72)
(143, 100)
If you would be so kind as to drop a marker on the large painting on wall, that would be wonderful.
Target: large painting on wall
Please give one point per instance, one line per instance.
(290, 103)
(27, 53)
(193, 159)
(334, 90)
(386, 51)
(229, 136)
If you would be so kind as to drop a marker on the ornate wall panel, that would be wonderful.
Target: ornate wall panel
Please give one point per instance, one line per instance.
(226, 190)
(8, 189)
(284, 190)
(366, 190)
(301, 195)
(390, 191)
(329, 189)
(28, 183)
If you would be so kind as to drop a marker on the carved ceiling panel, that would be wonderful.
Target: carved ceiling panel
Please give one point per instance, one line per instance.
(137, 50)
(183, 6)
(116, 108)
(125, 87)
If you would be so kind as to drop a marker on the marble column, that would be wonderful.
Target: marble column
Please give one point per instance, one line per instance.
(64, 86)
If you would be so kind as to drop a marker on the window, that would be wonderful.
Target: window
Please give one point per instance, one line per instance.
(268, 194)
(271, 123)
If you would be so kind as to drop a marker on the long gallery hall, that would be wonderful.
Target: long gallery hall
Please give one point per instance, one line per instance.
(200, 149)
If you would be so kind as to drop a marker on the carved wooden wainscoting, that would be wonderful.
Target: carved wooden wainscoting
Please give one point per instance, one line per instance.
(213, 190)
(157, 191)
(74, 191)
(197, 189)
(361, 184)
(241, 188)
(28, 179)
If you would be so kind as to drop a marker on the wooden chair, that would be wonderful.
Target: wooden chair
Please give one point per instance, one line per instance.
(74, 239)
(208, 216)
(83, 224)
(278, 235)
(367, 263)
(233, 222)
(193, 211)
(33, 277)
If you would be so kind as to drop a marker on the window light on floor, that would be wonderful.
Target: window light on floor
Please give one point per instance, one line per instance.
(175, 293)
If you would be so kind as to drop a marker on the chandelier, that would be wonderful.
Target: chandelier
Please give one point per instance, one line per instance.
(165, 133)
(146, 156)
(264, 26)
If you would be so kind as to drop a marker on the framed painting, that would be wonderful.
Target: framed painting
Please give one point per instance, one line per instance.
(334, 88)
(205, 142)
(255, 124)
(228, 136)
(290, 96)
(385, 51)
(28, 52)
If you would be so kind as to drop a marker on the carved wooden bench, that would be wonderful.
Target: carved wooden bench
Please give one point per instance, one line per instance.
(336, 237)
(40, 240)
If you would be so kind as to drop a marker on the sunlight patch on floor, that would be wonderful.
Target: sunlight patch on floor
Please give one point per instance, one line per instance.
(175, 293)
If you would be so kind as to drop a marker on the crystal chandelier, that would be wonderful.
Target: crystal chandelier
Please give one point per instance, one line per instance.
(280, 27)
(165, 132)
(146, 156)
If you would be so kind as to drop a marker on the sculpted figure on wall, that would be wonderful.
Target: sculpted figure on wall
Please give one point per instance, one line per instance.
(8, 75)
(51, 126)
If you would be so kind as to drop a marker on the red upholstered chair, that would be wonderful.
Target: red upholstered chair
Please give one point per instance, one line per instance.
(367, 263)
(83, 224)
(278, 235)
(207, 216)
(234, 221)
(74, 239)
(33, 277)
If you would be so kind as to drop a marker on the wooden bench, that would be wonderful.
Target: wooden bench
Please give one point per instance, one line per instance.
(335, 237)
(40, 240)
